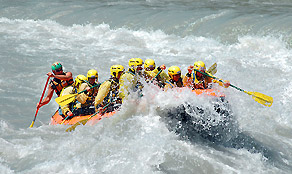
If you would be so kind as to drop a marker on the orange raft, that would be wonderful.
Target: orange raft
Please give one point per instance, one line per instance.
(58, 119)
(209, 92)
(205, 92)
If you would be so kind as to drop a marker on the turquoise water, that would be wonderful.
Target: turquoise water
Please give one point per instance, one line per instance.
(249, 40)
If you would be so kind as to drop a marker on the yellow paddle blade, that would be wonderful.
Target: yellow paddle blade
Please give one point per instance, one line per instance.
(72, 128)
(31, 124)
(261, 98)
(66, 99)
(213, 69)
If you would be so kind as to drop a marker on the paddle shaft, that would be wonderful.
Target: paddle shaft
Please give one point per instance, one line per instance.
(63, 100)
(90, 88)
(39, 102)
(219, 80)
(249, 93)
(85, 120)
(156, 75)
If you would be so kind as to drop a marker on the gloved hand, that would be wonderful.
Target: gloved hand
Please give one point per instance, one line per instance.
(226, 83)
(87, 89)
(69, 114)
(163, 67)
(50, 74)
(39, 105)
(190, 69)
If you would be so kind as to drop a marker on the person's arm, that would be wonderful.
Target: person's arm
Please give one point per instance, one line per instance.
(187, 79)
(164, 77)
(48, 98)
(66, 77)
(83, 86)
(224, 84)
(167, 86)
(66, 109)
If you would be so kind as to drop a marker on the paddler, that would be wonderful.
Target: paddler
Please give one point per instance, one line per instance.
(176, 79)
(197, 80)
(130, 80)
(60, 81)
(86, 99)
(74, 107)
(151, 72)
(108, 92)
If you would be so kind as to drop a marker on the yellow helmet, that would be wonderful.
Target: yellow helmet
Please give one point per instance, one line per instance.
(173, 70)
(79, 79)
(92, 74)
(139, 62)
(115, 69)
(134, 62)
(200, 65)
(149, 63)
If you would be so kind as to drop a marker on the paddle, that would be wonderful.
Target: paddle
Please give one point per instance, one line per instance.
(156, 75)
(66, 99)
(72, 128)
(258, 97)
(68, 115)
(39, 102)
(213, 69)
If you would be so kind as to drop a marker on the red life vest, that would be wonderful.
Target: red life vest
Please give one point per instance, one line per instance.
(58, 84)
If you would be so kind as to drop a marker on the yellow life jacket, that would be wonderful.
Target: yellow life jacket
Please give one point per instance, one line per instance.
(175, 84)
(127, 82)
(90, 95)
(200, 84)
(113, 93)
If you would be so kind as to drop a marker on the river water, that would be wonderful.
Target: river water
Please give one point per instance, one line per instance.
(250, 41)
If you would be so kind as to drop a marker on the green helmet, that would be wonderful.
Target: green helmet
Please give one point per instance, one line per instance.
(56, 65)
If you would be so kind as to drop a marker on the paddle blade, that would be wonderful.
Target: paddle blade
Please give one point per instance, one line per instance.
(66, 99)
(213, 69)
(261, 98)
(72, 128)
(32, 123)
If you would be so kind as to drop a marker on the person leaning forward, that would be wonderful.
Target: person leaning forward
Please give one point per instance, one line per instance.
(85, 100)
(108, 92)
(129, 81)
(60, 81)
(151, 73)
(197, 80)
(175, 80)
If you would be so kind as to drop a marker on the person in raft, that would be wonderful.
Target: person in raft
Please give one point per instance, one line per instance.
(85, 100)
(175, 76)
(197, 80)
(130, 80)
(151, 71)
(107, 99)
(61, 80)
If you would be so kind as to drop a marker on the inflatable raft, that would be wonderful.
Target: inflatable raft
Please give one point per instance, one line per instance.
(58, 119)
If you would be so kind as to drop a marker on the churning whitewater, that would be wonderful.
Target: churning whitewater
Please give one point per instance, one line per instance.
(162, 132)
